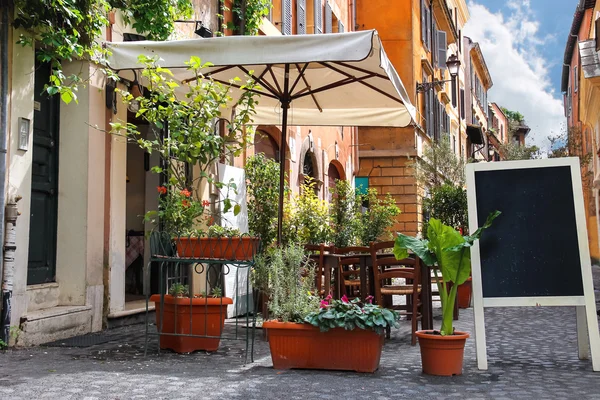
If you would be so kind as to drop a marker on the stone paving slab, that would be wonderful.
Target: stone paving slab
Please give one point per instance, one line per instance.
(532, 354)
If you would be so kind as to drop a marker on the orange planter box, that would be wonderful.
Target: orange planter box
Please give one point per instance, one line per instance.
(207, 318)
(304, 346)
(234, 248)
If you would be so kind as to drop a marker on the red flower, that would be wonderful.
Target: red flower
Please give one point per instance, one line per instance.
(344, 299)
(205, 203)
(185, 193)
(162, 189)
(324, 304)
(211, 221)
(369, 299)
(185, 203)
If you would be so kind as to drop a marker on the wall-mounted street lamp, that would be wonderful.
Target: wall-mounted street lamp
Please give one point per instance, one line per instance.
(453, 64)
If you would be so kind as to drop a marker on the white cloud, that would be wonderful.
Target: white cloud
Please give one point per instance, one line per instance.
(520, 73)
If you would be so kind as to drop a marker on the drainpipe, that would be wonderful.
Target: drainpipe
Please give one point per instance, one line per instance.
(4, 32)
(10, 246)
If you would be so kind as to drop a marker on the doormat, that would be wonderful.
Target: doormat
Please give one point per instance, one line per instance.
(88, 340)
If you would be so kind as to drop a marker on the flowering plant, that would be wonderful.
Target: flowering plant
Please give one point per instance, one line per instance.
(352, 314)
(178, 210)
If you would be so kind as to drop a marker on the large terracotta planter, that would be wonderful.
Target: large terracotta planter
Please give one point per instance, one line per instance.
(442, 355)
(464, 294)
(304, 346)
(234, 248)
(207, 319)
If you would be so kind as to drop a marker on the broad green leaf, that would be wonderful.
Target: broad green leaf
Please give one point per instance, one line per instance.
(237, 209)
(67, 97)
(419, 247)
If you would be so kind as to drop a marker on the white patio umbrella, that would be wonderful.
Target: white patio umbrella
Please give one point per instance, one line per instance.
(315, 80)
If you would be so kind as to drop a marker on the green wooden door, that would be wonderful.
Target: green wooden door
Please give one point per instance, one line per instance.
(44, 183)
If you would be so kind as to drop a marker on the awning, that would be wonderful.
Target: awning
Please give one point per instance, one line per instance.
(334, 79)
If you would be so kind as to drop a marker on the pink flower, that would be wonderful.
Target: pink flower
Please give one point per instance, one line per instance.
(329, 297)
(344, 299)
(369, 299)
(324, 304)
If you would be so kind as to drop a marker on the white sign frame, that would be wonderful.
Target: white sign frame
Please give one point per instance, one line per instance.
(587, 321)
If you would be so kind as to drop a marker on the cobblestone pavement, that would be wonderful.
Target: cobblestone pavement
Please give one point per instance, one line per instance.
(532, 354)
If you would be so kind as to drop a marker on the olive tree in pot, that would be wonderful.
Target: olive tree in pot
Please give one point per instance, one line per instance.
(449, 252)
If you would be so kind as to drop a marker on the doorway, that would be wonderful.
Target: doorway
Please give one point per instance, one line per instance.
(41, 266)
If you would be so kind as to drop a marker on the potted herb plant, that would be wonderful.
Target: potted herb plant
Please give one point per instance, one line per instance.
(306, 332)
(449, 252)
(199, 315)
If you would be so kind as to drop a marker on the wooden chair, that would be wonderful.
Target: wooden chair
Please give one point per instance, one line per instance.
(316, 253)
(387, 268)
(349, 270)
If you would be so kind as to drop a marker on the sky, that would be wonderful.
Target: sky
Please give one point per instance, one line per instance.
(523, 43)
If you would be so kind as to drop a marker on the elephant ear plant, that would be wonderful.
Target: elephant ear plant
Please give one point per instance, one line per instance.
(447, 249)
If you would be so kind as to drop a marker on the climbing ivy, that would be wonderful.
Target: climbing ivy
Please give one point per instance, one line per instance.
(64, 30)
(247, 15)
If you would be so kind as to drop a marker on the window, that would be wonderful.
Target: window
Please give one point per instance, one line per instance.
(462, 102)
(453, 83)
(575, 78)
(301, 17)
(425, 25)
(286, 17)
(442, 47)
(502, 133)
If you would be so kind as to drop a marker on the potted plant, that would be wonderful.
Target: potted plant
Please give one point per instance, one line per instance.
(220, 242)
(182, 314)
(306, 332)
(446, 249)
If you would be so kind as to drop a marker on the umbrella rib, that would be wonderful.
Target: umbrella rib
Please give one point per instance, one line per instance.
(343, 82)
(260, 80)
(275, 80)
(208, 74)
(364, 71)
(307, 86)
(247, 90)
(300, 75)
(371, 75)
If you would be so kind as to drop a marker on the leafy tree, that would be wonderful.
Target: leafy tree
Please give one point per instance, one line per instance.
(439, 165)
(447, 203)
(343, 212)
(514, 151)
(262, 180)
(248, 15)
(306, 217)
(375, 222)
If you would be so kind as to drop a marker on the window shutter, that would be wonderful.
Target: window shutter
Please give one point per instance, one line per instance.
(453, 88)
(423, 23)
(340, 27)
(428, 24)
(328, 18)
(434, 44)
(442, 48)
(286, 18)
(318, 16)
(462, 103)
(301, 17)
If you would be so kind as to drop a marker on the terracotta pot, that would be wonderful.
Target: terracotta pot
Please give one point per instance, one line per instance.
(208, 318)
(304, 346)
(235, 248)
(442, 355)
(464, 294)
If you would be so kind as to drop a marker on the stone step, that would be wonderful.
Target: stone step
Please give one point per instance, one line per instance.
(51, 324)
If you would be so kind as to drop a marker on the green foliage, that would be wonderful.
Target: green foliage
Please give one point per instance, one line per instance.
(179, 290)
(62, 30)
(450, 251)
(351, 315)
(191, 126)
(248, 15)
(448, 203)
(217, 292)
(374, 223)
(155, 19)
(177, 210)
(344, 209)
(514, 151)
(439, 165)
(3, 344)
(306, 217)
(288, 279)
(222, 231)
(513, 116)
(262, 182)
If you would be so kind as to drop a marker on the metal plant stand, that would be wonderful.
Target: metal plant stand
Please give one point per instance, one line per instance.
(191, 264)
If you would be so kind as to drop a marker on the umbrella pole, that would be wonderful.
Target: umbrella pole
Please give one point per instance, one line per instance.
(285, 105)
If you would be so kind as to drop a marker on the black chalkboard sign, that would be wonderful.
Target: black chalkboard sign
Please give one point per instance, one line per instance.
(532, 248)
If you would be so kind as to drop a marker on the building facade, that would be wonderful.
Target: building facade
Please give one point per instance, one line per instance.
(580, 85)
(417, 36)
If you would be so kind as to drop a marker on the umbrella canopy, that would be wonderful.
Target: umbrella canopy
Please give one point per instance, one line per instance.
(316, 80)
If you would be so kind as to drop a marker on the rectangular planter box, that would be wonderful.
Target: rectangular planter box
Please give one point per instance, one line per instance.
(207, 319)
(305, 346)
(226, 248)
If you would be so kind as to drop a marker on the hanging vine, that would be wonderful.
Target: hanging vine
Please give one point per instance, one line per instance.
(67, 30)
(247, 15)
